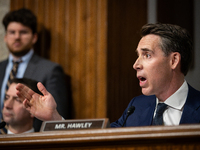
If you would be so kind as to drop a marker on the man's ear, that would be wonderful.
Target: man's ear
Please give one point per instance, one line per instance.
(175, 59)
(31, 115)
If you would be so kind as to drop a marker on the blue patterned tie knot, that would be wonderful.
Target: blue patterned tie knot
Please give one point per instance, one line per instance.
(158, 119)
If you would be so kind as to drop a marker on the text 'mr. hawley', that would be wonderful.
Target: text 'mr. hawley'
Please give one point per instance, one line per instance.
(73, 125)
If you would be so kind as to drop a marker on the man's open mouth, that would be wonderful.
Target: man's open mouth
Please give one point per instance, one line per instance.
(142, 79)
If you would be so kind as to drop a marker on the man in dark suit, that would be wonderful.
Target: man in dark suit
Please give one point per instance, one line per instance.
(20, 37)
(164, 57)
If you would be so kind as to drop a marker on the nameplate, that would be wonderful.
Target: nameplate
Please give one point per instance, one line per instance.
(74, 124)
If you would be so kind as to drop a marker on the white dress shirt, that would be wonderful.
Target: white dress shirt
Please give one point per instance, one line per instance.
(29, 131)
(172, 115)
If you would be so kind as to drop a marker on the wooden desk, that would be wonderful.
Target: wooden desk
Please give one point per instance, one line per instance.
(184, 137)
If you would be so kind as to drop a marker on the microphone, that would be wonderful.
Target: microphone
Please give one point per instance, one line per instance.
(130, 110)
(2, 124)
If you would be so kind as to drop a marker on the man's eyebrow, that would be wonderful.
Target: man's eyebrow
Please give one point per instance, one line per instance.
(15, 97)
(12, 96)
(145, 50)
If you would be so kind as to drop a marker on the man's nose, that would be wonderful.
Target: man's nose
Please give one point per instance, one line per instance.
(137, 65)
(17, 35)
(8, 103)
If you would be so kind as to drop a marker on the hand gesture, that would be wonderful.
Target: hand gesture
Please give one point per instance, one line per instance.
(43, 106)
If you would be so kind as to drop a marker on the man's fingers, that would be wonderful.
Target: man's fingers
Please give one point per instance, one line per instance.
(27, 105)
(42, 89)
(24, 92)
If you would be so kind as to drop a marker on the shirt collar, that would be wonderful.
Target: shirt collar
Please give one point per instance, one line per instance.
(178, 99)
(24, 58)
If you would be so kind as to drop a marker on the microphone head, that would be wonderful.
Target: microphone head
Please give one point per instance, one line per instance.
(131, 109)
(2, 124)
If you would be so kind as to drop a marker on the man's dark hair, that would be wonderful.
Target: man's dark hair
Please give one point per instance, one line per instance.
(173, 39)
(23, 16)
(32, 84)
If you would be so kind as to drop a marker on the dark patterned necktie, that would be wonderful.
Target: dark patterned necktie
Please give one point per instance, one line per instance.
(12, 73)
(158, 119)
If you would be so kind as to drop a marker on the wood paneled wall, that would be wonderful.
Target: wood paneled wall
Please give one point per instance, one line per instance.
(95, 42)
(125, 19)
(183, 15)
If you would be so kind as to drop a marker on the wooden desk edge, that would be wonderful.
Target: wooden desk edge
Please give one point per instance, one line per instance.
(189, 132)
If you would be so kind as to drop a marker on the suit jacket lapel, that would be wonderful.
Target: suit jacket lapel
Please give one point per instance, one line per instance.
(190, 115)
(147, 115)
(3, 70)
(192, 107)
(31, 66)
(145, 106)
